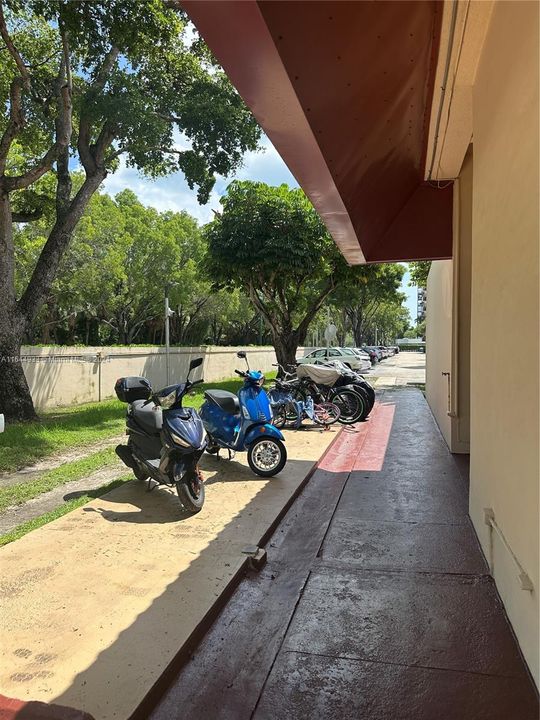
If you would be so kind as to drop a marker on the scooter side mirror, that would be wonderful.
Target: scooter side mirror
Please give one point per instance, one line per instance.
(195, 363)
(241, 354)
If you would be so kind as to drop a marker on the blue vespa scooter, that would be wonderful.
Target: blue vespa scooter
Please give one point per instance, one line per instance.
(243, 423)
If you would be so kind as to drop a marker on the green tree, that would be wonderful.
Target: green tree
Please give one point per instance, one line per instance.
(419, 272)
(270, 243)
(367, 287)
(224, 310)
(87, 83)
(113, 274)
(387, 323)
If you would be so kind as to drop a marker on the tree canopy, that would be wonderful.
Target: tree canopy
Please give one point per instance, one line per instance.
(111, 282)
(82, 85)
(366, 290)
(419, 272)
(270, 243)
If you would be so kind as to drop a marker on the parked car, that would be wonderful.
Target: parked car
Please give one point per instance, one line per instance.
(373, 355)
(363, 354)
(384, 351)
(376, 350)
(358, 362)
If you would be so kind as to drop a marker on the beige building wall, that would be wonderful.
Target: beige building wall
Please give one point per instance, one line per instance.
(461, 309)
(505, 316)
(439, 343)
(448, 324)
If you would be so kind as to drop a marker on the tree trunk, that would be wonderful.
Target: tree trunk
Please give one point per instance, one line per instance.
(15, 399)
(285, 347)
(15, 317)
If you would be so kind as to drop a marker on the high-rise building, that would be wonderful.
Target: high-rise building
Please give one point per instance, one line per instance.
(421, 304)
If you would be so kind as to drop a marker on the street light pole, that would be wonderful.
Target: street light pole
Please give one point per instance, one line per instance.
(168, 313)
(167, 338)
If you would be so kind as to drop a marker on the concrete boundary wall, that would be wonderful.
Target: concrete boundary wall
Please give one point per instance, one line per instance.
(70, 375)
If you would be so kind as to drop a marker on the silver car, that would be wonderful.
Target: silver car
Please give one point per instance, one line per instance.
(358, 361)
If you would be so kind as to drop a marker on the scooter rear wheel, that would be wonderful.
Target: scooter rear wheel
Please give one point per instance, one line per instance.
(267, 456)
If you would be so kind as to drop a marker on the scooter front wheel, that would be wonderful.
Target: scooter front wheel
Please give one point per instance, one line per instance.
(190, 490)
(267, 456)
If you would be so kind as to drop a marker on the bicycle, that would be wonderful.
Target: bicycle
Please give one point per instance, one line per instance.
(289, 410)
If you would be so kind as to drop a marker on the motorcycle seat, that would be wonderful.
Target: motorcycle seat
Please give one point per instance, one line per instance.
(148, 416)
(226, 400)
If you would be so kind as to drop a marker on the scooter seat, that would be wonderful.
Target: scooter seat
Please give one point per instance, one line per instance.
(148, 416)
(226, 400)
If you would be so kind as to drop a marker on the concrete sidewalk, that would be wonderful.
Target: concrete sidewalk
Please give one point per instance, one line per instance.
(405, 368)
(97, 606)
(376, 601)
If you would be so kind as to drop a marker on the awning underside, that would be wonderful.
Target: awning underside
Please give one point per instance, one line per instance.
(344, 90)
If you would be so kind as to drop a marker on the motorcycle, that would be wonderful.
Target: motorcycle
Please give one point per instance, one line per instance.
(165, 439)
(243, 423)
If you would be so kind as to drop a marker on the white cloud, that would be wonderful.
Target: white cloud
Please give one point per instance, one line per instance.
(411, 293)
(169, 193)
(266, 166)
(172, 192)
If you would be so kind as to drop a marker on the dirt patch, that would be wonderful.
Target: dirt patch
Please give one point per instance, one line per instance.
(14, 516)
(31, 472)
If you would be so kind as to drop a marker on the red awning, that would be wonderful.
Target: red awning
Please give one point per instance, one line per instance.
(343, 90)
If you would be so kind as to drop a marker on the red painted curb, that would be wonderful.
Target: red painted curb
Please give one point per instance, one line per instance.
(12, 709)
(362, 446)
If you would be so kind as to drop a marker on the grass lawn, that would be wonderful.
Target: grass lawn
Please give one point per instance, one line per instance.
(23, 444)
(68, 506)
(75, 470)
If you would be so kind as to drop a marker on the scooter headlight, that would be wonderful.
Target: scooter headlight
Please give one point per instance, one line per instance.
(260, 381)
(180, 441)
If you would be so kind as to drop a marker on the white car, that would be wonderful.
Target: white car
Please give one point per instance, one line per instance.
(358, 361)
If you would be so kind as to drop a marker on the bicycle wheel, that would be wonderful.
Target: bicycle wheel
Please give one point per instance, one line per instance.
(279, 418)
(370, 392)
(350, 404)
(292, 409)
(326, 413)
(365, 400)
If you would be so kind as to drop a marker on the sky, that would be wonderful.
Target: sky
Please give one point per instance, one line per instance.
(173, 193)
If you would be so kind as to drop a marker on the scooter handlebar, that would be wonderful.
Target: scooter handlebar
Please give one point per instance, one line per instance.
(197, 382)
(240, 372)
